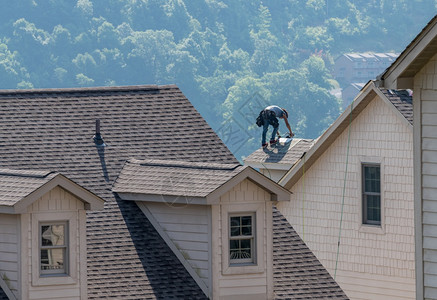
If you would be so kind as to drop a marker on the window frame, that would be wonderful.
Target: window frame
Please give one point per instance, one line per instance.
(65, 270)
(251, 237)
(364, 194)
(73, 237)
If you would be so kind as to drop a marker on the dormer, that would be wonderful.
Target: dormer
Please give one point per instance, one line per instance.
(43, 235)
(217, 219)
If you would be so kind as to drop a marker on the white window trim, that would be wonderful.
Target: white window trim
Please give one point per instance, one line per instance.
(252, 260)
(258, 210)
(71, 219)
(66, 246)
(369, 228)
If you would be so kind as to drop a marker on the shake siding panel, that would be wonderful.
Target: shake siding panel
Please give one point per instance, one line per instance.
(376, 134)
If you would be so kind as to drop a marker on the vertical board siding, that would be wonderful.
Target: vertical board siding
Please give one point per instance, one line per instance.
(386, 253)
(187, 227)
(9, 251)
(56, 200)
(426, 87)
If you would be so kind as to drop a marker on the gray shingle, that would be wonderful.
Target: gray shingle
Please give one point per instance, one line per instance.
(127, 259)
(17, 184)
(286, 154)
(402, 100)
(3, 295)
(298, 274)
(175, 178)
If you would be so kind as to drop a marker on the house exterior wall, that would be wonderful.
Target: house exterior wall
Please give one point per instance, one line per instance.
(243, 281)
(425, 108)
(56, 205)
(187, 226)
(373, 262)
(9, 251)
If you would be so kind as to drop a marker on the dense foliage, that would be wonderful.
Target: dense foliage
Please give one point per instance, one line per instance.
(229, 57)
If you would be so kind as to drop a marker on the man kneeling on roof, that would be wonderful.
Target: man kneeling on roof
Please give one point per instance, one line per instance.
(269, 117)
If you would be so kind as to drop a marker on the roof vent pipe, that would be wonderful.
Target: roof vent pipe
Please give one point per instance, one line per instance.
(98, 137)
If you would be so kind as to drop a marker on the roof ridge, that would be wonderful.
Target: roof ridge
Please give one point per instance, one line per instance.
(185, 164)
(25, 173)
(150, 87)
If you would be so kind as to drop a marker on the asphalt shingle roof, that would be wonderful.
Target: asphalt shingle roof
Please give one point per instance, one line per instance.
(3, 295)
(53, 129)
(175, 178)
(402, 100)
(298, 274)
(282, 154)
(17, 184)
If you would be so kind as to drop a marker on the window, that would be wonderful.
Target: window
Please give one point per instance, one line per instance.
(241, 239)
(53, 248)
(371, 177)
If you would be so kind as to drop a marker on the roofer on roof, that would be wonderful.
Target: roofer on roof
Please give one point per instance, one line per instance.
(269, 117)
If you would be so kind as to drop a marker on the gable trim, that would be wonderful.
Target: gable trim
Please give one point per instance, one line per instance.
(367, 94)
(392, 76)
(278, 193)
(91, 201)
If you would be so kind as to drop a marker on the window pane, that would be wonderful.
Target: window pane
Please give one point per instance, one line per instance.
(53, 235)
(52, 259)
(246, 221)
(240, 249)
(372, 179)
(373, 208)
(246, 230)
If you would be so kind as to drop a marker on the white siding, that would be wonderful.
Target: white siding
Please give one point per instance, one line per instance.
(373, 263)
(50, 207)
(244, 197)
(425, 91)
(187, 227)
(9, 251)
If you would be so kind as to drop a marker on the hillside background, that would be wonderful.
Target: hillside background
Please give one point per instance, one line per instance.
(229, 57)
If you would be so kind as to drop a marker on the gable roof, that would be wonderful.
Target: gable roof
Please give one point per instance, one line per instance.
(281, 157)
(20, 188)
(53, 129)
(400, 103)
(421, 49)
(196, 183)
(297, 271)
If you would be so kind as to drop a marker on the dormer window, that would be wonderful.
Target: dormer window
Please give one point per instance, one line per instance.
(242, 239)
(53, 248)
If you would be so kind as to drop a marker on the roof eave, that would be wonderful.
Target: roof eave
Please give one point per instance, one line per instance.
(401, 72)
(168, 199)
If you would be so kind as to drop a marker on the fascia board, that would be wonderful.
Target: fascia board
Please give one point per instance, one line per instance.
(410, 53)
(291, 177)
(169, 199)
(92, 201)
(393, 108)
(272, 166)
(277, 192)
(6, 209)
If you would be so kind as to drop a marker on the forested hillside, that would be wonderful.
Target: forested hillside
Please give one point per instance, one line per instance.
(229, 57)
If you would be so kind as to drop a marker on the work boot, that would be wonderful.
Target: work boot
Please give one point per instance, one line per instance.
(273, 142)
(264, 145)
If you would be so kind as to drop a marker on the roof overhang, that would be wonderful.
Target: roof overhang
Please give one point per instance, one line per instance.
(277, 192)
(91, 201)
(400, 75)
(267, 165)
(366, 95)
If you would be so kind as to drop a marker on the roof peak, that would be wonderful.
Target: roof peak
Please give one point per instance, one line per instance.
(136, 88)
